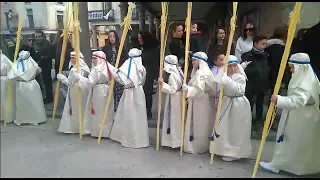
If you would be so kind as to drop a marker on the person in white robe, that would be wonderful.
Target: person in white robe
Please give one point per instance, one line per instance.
(171, 127)
(69, 122)
(98, 84)
(298, 145)
(130, 126)
(29, 103)
(6, 65)
(233, 132)
(200, 117)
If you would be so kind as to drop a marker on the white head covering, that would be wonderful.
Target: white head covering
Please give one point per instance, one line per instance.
(304, 76)
(83, 64)
(25, 67)
(133, 67)
(204, 71)
(171, 66)
(6, 64)
(102, 63)
(234, 60)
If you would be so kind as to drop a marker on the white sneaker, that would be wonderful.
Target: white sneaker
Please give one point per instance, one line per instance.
(35, 124)
(229, 159)
(269, 166)
(16, 123)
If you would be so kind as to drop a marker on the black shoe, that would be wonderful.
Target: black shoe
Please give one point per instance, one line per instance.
(47, 101)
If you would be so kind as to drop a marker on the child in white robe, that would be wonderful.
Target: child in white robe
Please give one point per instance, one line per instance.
(29, 102)
(6, 65)
(98, 83)
(233, 133)
(130, 126)
(69, 122)
(171, 127)
(200, 118)
(298, 145)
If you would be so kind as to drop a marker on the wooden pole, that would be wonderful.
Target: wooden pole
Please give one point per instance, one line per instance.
(232, 29)
(126, 24)
(185, 73)
(293, 21)
(162, 52)
(62, 57)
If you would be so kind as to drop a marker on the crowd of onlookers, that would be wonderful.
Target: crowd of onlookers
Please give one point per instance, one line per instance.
(262, 57)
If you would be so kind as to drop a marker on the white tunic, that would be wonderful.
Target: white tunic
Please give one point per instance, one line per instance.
(200, 117)
(171, 127)
(235, 119)
(29, 103)
(97, 83)
(70, 118)
(130, 126)
(5, 68)
(242, 47)
(299, 151)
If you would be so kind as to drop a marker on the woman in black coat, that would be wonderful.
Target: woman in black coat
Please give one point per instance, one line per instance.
(58, 48)
(150, 60)
(27, 46)
(111, 51)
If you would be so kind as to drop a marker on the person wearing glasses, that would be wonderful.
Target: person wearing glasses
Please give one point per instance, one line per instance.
(245, 42)
(27, 46)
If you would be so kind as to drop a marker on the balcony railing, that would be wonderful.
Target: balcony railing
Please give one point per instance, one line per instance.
(98, 15)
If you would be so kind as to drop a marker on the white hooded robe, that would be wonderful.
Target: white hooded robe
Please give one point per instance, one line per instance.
(171, 127)
(6, 65)
(130, 126)
(234, 124)
(69, 122)
(98, 84)
(29, 103)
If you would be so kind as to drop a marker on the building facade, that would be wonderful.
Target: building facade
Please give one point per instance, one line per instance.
(46, 16)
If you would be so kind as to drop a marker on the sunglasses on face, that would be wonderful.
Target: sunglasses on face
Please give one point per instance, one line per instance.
(248, 29)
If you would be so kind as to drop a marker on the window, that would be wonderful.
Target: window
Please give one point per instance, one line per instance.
(107, 6)
(7, 19)
(60, 19)
(30, 18)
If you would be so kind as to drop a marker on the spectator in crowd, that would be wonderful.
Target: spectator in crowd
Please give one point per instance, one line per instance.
(275, 49)
(58, 48)
(44, 55)
(258, 76)
(26, 45)
(196, 39)
(111, 51)
(150, 60)
(176, 46)
(296, 45)
(219, 43)
(245, 43)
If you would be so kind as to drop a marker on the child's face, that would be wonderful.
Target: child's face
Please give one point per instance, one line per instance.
(73, 60)
(195, 63)
(261, 45)
(220, 60)
(291, 68)
(232, 68)
(94, 61)
(194, 28)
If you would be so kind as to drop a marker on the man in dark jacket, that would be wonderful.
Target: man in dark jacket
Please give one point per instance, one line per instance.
(258, 75)
(45, 53)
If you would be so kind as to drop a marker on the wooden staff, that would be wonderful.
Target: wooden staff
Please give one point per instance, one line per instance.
(126, 23)
(185, 73)
(162, 52)
(293, 21)
(225, 66)
(62, 56)
(77, 49)
(14, 60)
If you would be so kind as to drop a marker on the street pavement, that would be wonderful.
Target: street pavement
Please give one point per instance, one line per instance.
(41, 151)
